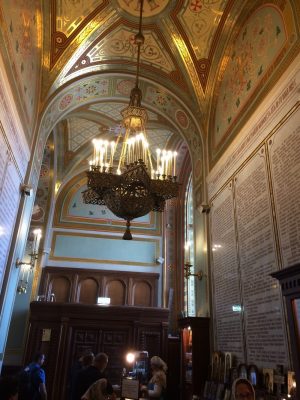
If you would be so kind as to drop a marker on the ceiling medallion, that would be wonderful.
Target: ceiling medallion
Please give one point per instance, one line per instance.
(134, 187)
(150, 8)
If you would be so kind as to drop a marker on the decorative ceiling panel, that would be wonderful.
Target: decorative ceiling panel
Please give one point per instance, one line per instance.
(21, 25)
(200, 20)
(68, 19)
(80, 131)
(200, 24)
(259, 51)
(121, 46)
(113, 110)
(71, 13)
(150, 8)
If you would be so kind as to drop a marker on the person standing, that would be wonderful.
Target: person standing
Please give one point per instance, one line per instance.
(91, 374)
(157, 385)
(8, 388)
(83, 362)
(36, 380)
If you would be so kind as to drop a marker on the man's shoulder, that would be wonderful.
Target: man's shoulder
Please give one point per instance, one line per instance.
(87, 371)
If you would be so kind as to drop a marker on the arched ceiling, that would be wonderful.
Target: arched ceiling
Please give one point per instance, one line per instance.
(89, 46)
(96, 38)
(181, 40)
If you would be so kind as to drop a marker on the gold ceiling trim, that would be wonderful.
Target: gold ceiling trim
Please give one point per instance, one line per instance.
(202, 65)
(59, 41)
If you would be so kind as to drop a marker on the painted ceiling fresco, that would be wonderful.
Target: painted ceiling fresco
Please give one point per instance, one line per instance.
(258, 49)
(202, 63)
(22, 32)
(192, 48)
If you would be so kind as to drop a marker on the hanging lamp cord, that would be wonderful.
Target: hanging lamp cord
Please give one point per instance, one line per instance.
(139, 39)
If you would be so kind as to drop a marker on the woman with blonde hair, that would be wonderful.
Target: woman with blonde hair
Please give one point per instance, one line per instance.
(158, 383)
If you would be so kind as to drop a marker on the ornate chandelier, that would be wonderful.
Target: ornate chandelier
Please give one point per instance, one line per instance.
(134, 187)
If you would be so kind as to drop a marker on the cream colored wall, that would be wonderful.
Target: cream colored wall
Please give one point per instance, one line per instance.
(278, 112)
(16, 209)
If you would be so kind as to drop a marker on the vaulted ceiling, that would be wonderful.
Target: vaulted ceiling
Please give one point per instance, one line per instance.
(180, 56)
(204, 64)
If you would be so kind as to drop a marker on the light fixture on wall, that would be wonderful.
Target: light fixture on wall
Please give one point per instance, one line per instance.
(188, 266)
(27, 267)
(187, 271)
(135, 187)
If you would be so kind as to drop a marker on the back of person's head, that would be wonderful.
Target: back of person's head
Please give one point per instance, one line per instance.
(158, 363)
(8, 388)
(39, 358)
(87, 359)
(242, 389)
(100, 361)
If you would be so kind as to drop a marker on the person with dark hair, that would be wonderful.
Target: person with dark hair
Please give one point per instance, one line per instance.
(242, 389)
(84, 361)
(8, 388)
(91, 374)
(36, 388)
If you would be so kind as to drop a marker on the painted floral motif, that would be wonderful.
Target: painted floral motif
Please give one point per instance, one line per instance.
(124, 87)
(255, 50)
(22, 19)
(182, 118)
(151, 7)
(65, 101)
(42, 192)
(159, 98)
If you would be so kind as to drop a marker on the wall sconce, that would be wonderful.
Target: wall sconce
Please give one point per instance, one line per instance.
(187, 271)
(204, 208)
(27, 267)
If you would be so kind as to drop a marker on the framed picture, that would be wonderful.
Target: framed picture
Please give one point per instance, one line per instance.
(227, 394)
(220, 391)
(268, 374)
(206, 391)
(215, 366)
(213, 390)
(227, 366)
(233, 375)
(291, 383)
(242, 371)
(253, 374)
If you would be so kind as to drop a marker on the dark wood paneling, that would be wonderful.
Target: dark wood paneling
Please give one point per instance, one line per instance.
(199, 348)
(142, 294)
(78, 327)
(88, 291)
(60, 287)
(85, 285)
(115, 289)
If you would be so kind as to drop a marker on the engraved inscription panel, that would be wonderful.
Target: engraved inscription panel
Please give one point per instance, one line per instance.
(284, 148)
(9, 202)
(262, 306)
(227, 297)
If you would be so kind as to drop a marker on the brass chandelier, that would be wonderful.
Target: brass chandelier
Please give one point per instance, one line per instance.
(134, 188)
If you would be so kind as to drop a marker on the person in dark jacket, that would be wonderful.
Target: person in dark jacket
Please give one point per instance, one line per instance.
(8, 388)
(91, 374)
(82, 362)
